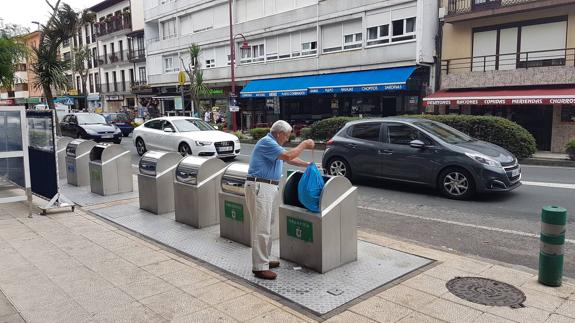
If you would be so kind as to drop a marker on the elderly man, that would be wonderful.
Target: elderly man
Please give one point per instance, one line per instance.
(262, 191)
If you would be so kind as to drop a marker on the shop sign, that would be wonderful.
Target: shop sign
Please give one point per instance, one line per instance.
(234, 211)
(216, 91)
(7, 102)
(499, 101)
(178, 103)
(300, 229)
(114, 97)
(357, 89)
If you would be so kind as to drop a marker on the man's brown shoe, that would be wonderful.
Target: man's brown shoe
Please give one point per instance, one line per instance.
(265, 274)
(274, 264)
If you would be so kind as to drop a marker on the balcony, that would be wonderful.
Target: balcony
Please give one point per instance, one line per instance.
(461, 10)
(112, 25)
(116, 58)
(550, 67)
(136, 56)
(116, 88)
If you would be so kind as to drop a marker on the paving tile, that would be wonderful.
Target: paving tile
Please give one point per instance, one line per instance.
(186, 277)
(567, 309)
(99, 301)
(490, 318)
(407, 296)
(165, 267)
(216, 293)
(428, 284)
(5, 306)
(207, 315)
(30, 296)
(452, 298)
(194, 288)
(127, 275)
(277, 315)
(67, 311)
(11, 318)
(556, 318)
(541, 300)
(446, 273)
(128, 313)
(564, 290)
(348, 316)
(145, 257)
(245, 307)
(416, 317)
(381, 310)
(468, 265)
(146, 287)
(525, 314)
(450, 311)
(173, 304)
(507, 275)
(89, 285)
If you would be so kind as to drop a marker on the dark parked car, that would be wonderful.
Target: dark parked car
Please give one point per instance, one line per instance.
(121, 120)
(423, 152)
(90, 126)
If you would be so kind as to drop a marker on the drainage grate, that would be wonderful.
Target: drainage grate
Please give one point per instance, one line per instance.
(486, 291)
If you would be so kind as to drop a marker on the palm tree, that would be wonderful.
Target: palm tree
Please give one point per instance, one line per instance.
(198, 88)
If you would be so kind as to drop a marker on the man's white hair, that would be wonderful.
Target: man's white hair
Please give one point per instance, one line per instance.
(280, 126)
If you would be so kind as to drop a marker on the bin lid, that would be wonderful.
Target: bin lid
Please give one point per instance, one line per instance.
(234, 178)
(161, 161)
(80, 147)
(202, 168)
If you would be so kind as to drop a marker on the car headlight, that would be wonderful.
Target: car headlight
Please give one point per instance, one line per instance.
(237, 141)
(203, 143)
(484, 160)
(117, 130)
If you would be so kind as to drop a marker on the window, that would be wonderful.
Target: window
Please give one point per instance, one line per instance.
(66, 43)
(105, 55)
(366, 131)
(123, 77)
(121, 47)
(131, 73)
(67, 57)
(403, 29)
(258, 53)
(352, 41)
(169, 29)
(568, 114)
(142, 72)
(107, 82)
(378, 35)
(154, 124)
(115, 80)
(87, 30)
(170, 64)
(91, 83)
(210, 63)
(400, 134)
(309, 48)
(94, 57)
(80, 41)
(78, 84)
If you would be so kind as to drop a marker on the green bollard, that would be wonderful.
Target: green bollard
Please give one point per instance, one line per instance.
(552, 245)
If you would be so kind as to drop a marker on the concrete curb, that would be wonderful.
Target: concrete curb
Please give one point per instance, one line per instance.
(548, 162)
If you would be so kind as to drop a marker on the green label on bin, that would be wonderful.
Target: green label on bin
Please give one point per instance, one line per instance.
(96, 174)
(300, 229)
(234, 211)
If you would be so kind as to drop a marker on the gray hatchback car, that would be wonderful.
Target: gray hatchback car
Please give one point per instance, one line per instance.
(423, 152)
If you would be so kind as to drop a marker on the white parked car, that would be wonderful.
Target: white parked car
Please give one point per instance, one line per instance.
(186, 135)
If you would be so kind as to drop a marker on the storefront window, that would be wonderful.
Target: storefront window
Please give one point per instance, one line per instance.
(568, 114)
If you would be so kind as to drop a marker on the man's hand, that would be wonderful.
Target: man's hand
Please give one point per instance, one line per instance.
(308, 144)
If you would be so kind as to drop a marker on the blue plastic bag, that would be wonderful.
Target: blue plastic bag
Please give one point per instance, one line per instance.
(309, 188)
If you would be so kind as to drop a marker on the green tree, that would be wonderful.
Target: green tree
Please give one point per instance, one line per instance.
(198, 88)
(12, 50)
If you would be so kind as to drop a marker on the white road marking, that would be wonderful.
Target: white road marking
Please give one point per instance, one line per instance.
(519, 233)
(553, 185)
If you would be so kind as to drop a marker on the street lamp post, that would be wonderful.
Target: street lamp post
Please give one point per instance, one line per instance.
(245, 45)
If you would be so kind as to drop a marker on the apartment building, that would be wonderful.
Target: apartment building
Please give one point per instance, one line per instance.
(121, 59)
(298, 60)
(514, 59)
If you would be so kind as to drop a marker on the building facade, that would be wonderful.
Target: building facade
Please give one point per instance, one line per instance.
(514, 59)
(283, 44)
(120, 53)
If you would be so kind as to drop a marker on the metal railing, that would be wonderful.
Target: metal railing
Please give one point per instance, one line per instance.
(137, 55)
(512, 61)
(113, 24)
(114, 58)
(117, 87)
(456, 7)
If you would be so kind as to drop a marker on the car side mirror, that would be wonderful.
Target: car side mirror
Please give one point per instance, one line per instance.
(168, 129)
(417, 144)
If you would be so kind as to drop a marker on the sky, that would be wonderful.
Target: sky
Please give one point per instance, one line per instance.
(23, 12)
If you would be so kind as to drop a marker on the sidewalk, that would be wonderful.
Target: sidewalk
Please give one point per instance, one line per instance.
(70, 267)
(545, 158)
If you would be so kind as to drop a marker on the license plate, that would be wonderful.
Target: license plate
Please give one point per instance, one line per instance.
(226, 148)
(515, 172)
(107, 136)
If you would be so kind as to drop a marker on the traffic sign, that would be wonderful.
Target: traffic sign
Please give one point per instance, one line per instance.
(234, 109)
(182, 78)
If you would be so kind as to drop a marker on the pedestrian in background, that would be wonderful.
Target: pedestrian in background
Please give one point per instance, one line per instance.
(262, 191)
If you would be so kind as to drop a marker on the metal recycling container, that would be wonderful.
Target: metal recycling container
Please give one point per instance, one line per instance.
(196, 191)
(77, 159)
(156, 181)
(320, 241)
(61, 146)
(110, 169)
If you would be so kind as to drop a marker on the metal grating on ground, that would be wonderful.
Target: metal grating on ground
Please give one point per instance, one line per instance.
(83, 196)
(486, 291)
(320, 294)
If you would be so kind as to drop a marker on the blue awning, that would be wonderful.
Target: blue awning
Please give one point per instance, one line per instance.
(389, 79)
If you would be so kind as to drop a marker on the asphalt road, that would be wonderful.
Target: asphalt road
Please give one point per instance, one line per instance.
(503, 227)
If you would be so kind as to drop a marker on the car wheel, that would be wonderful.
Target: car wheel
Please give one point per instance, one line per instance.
(184, 149)
(140, 146)
(338, 167)
(456, 183)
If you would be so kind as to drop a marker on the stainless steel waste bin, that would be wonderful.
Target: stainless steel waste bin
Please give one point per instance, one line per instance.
(77, 159)
(156, 181)
(110, 169)
(320, 241)
(61, 145)
(196, 190)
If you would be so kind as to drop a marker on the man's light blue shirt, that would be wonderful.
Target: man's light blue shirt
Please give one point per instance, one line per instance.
(265, 162)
